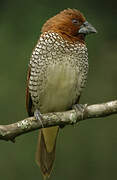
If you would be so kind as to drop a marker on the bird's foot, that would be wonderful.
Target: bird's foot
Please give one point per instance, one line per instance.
(80, 108)
(38, 117)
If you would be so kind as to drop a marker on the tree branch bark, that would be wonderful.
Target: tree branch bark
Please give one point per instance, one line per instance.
(11, 131)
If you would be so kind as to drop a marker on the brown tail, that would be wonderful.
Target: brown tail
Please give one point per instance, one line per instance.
(46, 149)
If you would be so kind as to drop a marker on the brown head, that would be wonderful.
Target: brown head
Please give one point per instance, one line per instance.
(70, 24)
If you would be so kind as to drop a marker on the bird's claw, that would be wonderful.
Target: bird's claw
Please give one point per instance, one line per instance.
(38, 117)
(81, 108)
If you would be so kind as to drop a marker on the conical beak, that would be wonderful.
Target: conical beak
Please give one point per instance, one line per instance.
(86, 28)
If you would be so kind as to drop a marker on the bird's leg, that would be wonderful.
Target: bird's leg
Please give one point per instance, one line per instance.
(81, 108)
(38, 117)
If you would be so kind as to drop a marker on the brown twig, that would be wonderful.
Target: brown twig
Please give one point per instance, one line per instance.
(11, 131)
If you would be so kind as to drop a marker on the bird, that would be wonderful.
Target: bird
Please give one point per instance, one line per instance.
(57, 75)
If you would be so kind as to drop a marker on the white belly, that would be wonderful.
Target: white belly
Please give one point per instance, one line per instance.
(61, 89)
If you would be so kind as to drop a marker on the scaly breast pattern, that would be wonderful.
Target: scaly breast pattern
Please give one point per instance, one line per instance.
(58, 73)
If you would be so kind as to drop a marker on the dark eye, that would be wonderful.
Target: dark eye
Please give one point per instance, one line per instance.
(75, 21)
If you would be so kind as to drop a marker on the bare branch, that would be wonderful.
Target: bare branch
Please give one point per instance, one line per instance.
(9, 132)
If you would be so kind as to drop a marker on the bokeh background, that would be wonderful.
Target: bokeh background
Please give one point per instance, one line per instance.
(87, 151)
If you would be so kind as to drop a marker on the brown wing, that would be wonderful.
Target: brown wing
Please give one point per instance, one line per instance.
(29, 104)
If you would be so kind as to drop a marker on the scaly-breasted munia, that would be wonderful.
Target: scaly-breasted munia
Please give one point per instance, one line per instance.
(57, 75)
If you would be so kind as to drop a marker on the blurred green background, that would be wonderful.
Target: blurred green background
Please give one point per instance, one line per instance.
(84, 152)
